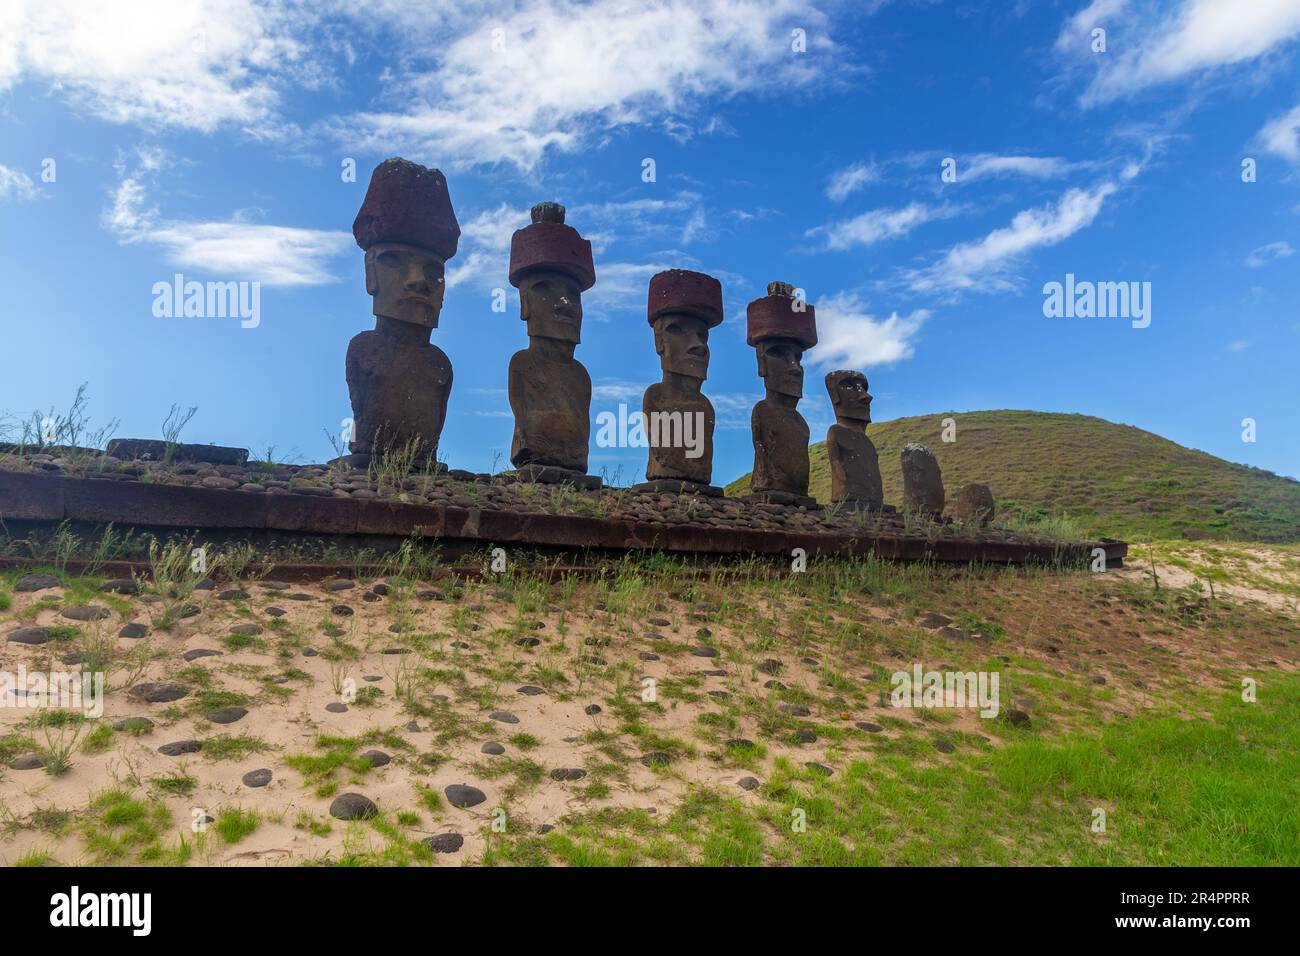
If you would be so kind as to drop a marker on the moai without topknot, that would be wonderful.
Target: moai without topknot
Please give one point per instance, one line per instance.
(550, 391)
(398, 381)
(854, 464)
(781, 328)
(681, 308)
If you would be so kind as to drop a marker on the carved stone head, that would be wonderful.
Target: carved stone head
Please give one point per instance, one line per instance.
(682, 342)
(550, 302)
(780, 365)
(849, 395)
(406, 282)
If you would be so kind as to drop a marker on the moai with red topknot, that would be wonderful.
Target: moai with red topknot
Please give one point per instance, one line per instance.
(399, 382)
(681, 308)
(550, 391)
(780, 327)
(854, 464)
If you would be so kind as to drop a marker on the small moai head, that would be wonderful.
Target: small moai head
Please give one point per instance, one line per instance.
(681, 307)
(551, 266)
(781, 328)
(849, 395)
(408, 230)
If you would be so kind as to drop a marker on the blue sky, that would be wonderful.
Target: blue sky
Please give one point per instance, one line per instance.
(208, 138)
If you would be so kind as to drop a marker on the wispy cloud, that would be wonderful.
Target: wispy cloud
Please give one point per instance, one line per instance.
(991, 165)
(15, 184)
(273, 255)
(877, 225)
(549, 75)
(1281, 135)
(985, 262)
(849, 335)
(1269, 253)
(1177, 40)
(193, 64)
(849, 180)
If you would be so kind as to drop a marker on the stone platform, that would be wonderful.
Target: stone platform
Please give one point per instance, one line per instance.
(463, 512)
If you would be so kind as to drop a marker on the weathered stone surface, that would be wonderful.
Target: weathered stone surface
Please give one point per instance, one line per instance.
(133, 631)
(148, 449)
(399, 382)
(681, 307)
(181, 747)
(353, 806)
(464, 796)
(549, 390)
(922, 481)
(29, 635)
(257, 778)
(444, 842)
(37, 582)
(409, 204)
(85, 612)
(152, 693)
(974, 505)
(854, 464)
(780, 327)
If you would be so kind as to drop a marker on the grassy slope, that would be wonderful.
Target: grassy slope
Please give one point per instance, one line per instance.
(1111, 479)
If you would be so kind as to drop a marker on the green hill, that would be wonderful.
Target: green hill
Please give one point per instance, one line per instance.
(1107, 478)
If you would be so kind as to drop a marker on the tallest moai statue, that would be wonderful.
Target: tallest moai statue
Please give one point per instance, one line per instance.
(398, 381)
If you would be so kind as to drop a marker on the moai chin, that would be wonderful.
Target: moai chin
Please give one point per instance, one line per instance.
(780, 328)
(550, 391)
(854, 464)
(398, 381)
(681, 307)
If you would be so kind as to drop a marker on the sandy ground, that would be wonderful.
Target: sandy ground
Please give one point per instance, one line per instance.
(1093, 632)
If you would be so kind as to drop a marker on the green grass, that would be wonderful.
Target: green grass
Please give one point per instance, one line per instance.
(234, 825)
(1176, 791)
(1102, 477)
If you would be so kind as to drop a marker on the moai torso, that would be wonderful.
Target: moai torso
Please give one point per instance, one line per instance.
(697, 414)
(551, 400)
(399, 391)
(855, 467)
(780, 449)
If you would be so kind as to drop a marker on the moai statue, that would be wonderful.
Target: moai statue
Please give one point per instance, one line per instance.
(922, 481)
(398, 381)
(682, 306)
(780, 328)
(550, 392)
(855, 467)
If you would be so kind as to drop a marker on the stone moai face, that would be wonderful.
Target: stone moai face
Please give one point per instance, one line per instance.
(850, 398)
(780, 366)
(551, 303)
(406, 282)
(682, 342)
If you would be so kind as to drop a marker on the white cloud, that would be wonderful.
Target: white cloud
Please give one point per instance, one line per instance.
(1238, 345)
(878, 224)
(846, 181)
(1269, 253)
(1281, 135)
(273, 255)
(1175, 40)
(560, 71)
(194, 64)
(985, 165)
(986, 260)
(483, 255)
(849, 336)
(16, 184)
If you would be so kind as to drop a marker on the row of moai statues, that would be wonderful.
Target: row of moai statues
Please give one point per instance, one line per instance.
(399, 382)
